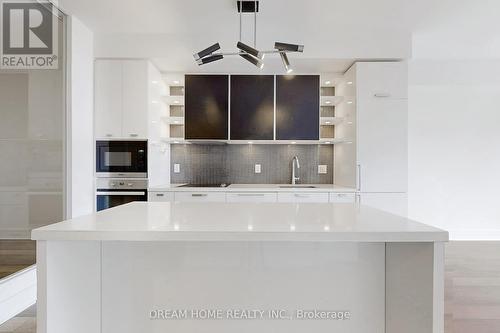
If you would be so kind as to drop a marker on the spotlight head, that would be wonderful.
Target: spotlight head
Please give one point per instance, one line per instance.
(286, 63)
(250, 50)
(209, 50)
(253, 60)
(288, 47)
(208, 59)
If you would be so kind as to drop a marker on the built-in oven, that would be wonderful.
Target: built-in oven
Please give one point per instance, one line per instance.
(127, 159)
(113, 192)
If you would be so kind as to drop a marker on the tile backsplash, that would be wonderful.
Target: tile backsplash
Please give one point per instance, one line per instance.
(201, 164)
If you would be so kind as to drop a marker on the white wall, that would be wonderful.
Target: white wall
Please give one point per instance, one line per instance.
(80, 159)
(454, 146)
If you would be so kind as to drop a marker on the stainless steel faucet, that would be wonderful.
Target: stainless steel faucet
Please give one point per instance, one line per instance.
(295, 161)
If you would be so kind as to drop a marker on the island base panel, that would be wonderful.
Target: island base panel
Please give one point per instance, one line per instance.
(112, 286)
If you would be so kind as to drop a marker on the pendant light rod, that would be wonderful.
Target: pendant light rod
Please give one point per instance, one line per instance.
(254, 25)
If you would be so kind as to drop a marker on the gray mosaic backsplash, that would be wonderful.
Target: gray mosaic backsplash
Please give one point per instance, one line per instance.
(235, 164)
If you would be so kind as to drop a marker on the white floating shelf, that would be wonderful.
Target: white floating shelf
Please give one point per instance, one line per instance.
(331, 100)
(173, 120)
(174, 140)
(329, 121)
(174, 100)
(174, 79)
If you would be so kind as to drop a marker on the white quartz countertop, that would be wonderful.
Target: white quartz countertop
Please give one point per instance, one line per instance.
(256, 188)
(182, 221)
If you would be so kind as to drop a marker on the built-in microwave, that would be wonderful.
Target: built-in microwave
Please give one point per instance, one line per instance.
(122, 159)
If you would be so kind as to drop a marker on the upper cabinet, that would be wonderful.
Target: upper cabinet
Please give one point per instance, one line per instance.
(252, 107)
(382, 80)
(206, 107)
(121, 98)
(297, 107)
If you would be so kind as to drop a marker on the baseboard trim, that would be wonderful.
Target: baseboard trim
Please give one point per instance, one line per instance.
(17, 293)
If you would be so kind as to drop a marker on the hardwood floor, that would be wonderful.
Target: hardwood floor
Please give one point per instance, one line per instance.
(472, 291)
(25, 322)
(16, 255)
(472, 287)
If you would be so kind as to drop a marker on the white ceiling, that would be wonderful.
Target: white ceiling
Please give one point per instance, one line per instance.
(334, 32)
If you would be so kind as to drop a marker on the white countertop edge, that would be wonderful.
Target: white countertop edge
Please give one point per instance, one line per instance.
(321, 188)
(244, 236)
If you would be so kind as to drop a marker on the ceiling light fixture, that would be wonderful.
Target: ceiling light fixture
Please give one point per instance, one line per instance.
(206, 52)
(208, 59)
(250, 50)
(286, 63)
(249, 53)
(253, 60)
(289, 47)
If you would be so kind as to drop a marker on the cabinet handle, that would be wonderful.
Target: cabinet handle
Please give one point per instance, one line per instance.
(359, 177)
(159, 194)
(198, 195)
(250, 194)
(382, 95)
(109, 135)
(301, 195)
(134, 135)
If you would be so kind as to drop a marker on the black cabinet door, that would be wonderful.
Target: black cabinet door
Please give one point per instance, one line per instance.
(297, 107)
(206, 107)
(252, 107)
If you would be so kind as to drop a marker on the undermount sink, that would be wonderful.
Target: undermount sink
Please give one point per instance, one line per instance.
(297, 186)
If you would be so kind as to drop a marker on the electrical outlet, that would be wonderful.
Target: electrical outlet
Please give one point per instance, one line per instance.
(177, 168)
(257, 168)
(322, 169)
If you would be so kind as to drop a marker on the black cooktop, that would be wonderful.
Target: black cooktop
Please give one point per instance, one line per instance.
(205, 185)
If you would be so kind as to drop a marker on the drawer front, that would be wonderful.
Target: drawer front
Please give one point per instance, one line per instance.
(251, 197)
(200, 196)
(342, 197)
(302, 197)
(160, 196)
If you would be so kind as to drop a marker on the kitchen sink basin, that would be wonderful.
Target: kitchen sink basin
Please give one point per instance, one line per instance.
(297, 186)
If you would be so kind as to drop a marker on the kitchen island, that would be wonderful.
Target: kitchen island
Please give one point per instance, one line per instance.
(246, 267)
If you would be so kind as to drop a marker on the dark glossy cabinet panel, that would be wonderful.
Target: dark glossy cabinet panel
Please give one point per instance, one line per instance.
(206, 107)
(297, 107)
(252, 107)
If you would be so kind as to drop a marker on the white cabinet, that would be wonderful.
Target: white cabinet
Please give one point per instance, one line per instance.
(395, 203)
(121, 98)
(135, 99)
(342, 197)
(108, 98)
(161, 196)
(382, 145)
(382, 80)
(251, 197)
(380, 110)
(303, 197)
(200, 196)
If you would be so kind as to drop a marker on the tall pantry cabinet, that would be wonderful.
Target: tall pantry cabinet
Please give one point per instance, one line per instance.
(375, 159)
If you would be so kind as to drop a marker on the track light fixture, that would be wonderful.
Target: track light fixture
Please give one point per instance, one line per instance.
(257, 62)
(206, 52)
(288, 47)
(249, 53)
(286, 63)
(250, 50)
(208, 59)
